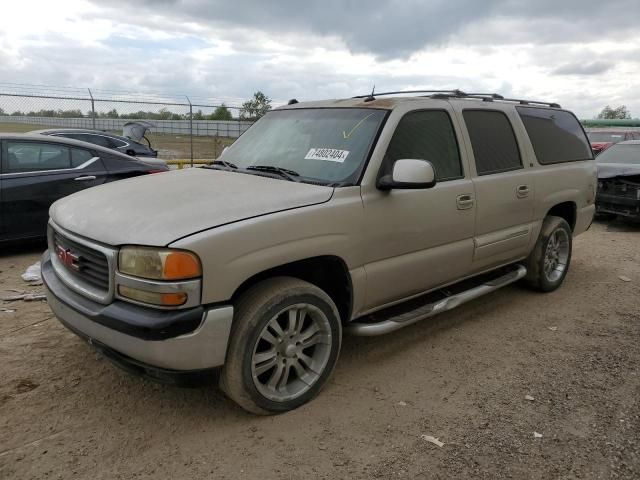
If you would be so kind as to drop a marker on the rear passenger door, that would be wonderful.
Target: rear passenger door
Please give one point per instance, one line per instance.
(36, 174)
(503, 186)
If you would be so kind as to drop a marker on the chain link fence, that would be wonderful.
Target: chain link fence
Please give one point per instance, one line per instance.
(183, 128)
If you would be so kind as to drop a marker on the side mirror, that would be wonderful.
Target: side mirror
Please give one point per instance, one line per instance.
(408, 174)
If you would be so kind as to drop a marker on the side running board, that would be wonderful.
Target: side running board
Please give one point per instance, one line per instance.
(427, 310)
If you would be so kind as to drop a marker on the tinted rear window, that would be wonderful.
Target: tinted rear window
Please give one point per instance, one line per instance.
(556, 135)
(494, 144)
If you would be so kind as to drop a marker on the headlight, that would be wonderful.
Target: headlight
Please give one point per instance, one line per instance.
(158, 263)
(159, 277)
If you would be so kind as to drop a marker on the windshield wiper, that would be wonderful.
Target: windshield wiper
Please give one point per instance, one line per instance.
(225, 163)
(283, 172)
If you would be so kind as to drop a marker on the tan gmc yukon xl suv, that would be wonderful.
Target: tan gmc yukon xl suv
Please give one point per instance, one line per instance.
(362, 215)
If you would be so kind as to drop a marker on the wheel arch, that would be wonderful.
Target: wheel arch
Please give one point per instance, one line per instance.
(328, 272)
(567, 210)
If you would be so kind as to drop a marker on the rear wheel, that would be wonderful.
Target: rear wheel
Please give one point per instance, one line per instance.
(548, 264)
(284, 345)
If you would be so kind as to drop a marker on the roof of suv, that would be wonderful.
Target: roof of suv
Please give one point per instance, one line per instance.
(389, 101)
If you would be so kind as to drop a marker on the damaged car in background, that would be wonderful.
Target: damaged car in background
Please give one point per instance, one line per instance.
(602, 138)
(129, 143)
(619, 180)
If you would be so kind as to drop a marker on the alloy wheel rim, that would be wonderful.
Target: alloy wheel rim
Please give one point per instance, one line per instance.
(556, 255)
(291, 352)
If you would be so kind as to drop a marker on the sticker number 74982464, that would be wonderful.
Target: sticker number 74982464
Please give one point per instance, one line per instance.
(329, 154)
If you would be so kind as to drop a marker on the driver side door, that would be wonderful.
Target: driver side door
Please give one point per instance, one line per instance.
(419, 239)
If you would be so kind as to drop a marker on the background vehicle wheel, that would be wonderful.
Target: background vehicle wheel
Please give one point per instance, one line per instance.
(549, 262)
(284, 345)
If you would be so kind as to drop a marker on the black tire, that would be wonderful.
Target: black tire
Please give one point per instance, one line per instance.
(536, 277)
(254, 311)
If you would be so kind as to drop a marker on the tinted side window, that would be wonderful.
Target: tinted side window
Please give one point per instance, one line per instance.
(33, 157)
(494, 144)
(99, 140)
(427, 135)
(116, 143)
(79, 156)
(73, 136)
(556, 135)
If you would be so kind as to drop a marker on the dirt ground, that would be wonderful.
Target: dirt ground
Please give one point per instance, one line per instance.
(461, 377)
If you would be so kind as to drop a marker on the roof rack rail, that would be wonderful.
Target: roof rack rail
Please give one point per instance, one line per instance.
(399, 92)
(490, 97)
(455, 93)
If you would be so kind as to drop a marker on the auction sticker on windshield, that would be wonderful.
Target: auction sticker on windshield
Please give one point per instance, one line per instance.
(329, 154)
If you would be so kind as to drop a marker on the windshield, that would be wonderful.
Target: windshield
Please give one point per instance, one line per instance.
(608, 137)
(328, 145)
(629, 153)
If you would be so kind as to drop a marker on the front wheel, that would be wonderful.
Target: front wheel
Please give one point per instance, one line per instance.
(284, 345)
(548, 264)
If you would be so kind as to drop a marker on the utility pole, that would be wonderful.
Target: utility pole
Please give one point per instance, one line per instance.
(190, 128)
(93, 110)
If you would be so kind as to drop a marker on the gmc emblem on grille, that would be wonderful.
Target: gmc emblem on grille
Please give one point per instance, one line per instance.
(68, 258)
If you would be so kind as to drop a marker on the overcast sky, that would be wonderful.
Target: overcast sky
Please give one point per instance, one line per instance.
(584, 54)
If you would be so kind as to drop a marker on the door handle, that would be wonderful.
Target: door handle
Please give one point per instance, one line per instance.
(522, 191)
(464, 202)
(85, 178)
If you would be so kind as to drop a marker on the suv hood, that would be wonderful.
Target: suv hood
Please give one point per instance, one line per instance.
(158, 209)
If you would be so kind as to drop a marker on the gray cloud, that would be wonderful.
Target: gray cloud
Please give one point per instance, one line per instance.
(391, 29)
(584, 68)
(274, 49)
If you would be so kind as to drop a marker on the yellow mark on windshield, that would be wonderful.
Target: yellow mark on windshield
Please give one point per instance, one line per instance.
(346, 135)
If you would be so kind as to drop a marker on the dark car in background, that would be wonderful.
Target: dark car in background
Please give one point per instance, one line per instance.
(603, 138)
(619, 180)
(35, 171)
(104, 139)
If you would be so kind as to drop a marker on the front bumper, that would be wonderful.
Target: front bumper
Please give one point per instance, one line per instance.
(148, 337)
(618, 205)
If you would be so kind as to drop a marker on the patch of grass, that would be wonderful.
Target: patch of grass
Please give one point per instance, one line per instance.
(172, 146)
(18, 127)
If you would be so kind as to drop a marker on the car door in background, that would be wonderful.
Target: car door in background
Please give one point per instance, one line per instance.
(504, 189)
(36, 174)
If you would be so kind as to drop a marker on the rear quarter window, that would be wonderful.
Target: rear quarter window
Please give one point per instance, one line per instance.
(556, 135)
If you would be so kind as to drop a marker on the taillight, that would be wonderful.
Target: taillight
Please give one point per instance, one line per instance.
(157, 171)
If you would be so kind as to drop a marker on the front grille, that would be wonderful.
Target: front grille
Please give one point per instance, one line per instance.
(84, 266)
(91, 266)
(621, 189)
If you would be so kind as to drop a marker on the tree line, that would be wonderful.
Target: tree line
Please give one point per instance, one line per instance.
(220, 113)
(617, 113)
(251, 110)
